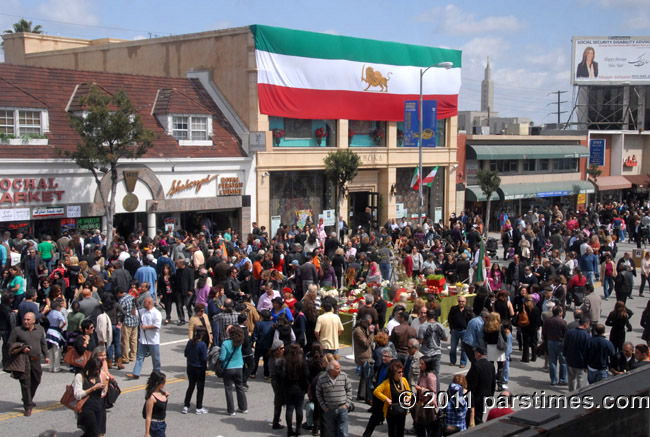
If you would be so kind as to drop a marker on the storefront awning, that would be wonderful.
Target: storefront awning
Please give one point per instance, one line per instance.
(544, 189)
(641, 180)
(475, 194)
(606, 183)
(497, 152)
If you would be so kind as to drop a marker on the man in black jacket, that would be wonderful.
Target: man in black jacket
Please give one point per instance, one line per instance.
(481, 382)
(183, 290)
(458, 317)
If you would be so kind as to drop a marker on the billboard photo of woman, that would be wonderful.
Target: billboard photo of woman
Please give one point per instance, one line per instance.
(588, 68)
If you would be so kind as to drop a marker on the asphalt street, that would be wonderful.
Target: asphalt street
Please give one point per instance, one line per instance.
(125, 419)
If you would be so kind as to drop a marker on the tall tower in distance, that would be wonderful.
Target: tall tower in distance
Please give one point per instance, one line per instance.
(487, 90)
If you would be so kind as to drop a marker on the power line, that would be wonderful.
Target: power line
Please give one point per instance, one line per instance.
(122, 29)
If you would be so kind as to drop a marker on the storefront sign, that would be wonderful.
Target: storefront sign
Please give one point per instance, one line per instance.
(399, 210)
(48, 211)
(329, 217)
(89, 223)
(68, 224)
(630, 161)
(230, 187)
(20, 226)
(29, 190)
(22, 213)
(582, 199)
(179, 186)
(257, 142)
(371, 158)
(597, 152)
(552, 193)
(74, 211)
(7, 215)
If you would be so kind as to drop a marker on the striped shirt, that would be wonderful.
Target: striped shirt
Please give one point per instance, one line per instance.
(333, 394)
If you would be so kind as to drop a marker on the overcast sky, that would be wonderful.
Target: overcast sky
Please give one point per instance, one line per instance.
(528, 42)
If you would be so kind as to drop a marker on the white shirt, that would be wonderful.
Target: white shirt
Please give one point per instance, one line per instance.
(148, 318)
(391, 324)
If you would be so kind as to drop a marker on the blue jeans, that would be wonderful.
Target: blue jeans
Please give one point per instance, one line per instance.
(384, 268)
(555, 354)
(456, 337)
(436, 370)
(157, 429)
(596, 375)
(115, 349)
(336, 422)
(608, 285)
(590, 277)
(154, 350)
(506, 369)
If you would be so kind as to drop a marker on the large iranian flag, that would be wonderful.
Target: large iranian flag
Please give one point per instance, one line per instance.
(320, 76)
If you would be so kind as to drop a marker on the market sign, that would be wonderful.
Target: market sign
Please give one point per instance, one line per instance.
(48, 211)
(29, 190)
(230, 187)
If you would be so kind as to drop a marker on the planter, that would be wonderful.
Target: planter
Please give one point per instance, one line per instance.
(29, 142)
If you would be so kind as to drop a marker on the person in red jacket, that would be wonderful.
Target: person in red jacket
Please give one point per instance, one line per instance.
(500, 410)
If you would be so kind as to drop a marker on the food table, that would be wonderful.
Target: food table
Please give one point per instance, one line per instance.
(446, 302)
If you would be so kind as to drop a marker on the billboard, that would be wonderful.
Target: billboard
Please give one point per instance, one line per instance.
(610, 60)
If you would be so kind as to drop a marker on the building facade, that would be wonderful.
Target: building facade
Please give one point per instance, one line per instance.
(289, 178)
(196, 172)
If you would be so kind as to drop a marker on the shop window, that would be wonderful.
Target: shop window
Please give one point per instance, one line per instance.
(297, 128)
(529, 165)
(191, 130)
(505, 166)
(565, 165)
(367, 133)
(543, 164)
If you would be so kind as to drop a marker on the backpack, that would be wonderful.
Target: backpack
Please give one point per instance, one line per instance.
(523, 319)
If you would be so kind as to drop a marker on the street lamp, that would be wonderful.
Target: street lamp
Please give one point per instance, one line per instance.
(446, 66)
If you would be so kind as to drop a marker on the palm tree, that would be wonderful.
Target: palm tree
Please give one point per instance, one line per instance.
(25, 26)
(593, 171)
(489, 181)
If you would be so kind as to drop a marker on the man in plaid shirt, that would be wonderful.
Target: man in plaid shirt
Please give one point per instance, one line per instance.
(129, 337)
(224, 319)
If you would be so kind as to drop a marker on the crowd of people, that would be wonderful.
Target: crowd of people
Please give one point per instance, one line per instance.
(99, 308)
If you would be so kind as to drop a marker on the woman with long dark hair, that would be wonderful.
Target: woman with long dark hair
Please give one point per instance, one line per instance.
(233, 363)
(155, 405)
(165, 289)
(88, 384)
(619, 319)
(296, 382)
(196, 352)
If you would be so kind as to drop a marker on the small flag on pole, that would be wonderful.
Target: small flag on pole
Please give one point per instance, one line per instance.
(415, 181)
(480, 270)
(428, 180)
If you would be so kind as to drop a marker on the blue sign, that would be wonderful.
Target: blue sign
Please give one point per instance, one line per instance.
(597, 152)
(412, 124)
(552, 193)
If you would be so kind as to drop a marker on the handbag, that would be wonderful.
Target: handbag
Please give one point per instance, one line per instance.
(501, 343)
(422, 415)
(220, 368)
(69, 401)
(76, 360)
(112, 394)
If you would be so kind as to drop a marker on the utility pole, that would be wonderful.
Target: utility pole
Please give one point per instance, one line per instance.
(558, 103)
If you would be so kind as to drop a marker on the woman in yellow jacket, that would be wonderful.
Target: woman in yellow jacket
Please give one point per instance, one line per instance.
(389, 392)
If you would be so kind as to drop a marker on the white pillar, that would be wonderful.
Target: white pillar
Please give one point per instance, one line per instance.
(151, 224)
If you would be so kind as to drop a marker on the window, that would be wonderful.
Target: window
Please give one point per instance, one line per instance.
(7, 122)
(20, 122)
(297, 128)
(190, 127)
(565, 165)
(529, 165)
(367, 133)
(505, 166)
(543, 164)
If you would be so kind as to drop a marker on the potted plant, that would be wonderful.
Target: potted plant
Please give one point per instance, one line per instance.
(278, 134)
(400, 137)
(350, 136)
(377, 135)
(320, 133)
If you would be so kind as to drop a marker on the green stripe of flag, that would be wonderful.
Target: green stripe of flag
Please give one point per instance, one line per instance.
(321, 45)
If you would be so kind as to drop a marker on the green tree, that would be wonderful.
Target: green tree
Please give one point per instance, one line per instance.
(341, 167)
(25, 26)
(594, 171)
(489, 181)
(110, 130)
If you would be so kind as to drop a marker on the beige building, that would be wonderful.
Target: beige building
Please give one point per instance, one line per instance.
(289, 175)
